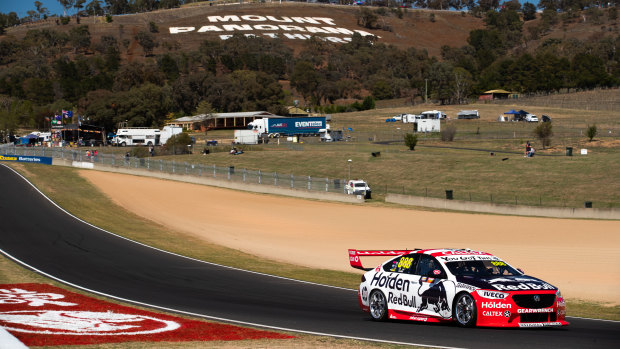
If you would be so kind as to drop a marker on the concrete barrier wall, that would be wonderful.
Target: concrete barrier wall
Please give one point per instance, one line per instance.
(252, 187)
(458, 205)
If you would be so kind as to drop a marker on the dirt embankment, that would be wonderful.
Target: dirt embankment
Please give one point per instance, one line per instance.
(579, 256)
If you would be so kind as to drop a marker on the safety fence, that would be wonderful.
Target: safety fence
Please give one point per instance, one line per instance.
(228, 173)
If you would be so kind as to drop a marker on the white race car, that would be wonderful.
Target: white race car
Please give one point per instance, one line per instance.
(472, 288)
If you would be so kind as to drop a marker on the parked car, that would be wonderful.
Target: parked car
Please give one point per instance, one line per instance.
(358, 187)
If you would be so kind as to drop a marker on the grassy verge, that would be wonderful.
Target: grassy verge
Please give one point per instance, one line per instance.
(68, 189)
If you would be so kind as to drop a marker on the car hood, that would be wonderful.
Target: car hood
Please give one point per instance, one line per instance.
(507, 283)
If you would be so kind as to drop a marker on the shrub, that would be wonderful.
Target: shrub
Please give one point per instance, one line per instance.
(411, 140)
(108, 18)
(591, 132)
(448, 133)
(153, 28)
(65, 20)
(544, 132)
(178, 144)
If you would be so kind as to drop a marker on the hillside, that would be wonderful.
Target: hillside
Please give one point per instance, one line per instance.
(415, 29)
(418, 28)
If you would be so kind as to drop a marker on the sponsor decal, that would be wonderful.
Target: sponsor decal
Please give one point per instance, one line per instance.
(561, 303)
(390, 281)
(466, 286)
(427, 280)
(467, 252)
(304, 124)
(402, 300)
(561, 312)
(521, 284)
(540, 324)
(492, 294)
(418, 318)
(31, 159)
(301, 28)
(496, 305)
(507, 313)
(469, 258)
(529, 311)
(39, 314)
(495, 313)
(436, 272)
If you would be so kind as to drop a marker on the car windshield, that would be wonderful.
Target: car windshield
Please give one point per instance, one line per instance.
(481, 269)
(362, 185)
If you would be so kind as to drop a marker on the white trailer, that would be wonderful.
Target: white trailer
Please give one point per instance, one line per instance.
(427, 125)
(433, 114)
(246, 136)
(167, 132)
(410, 118)
(136, 136)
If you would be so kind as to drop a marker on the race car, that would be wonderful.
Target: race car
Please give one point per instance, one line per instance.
(471, 288)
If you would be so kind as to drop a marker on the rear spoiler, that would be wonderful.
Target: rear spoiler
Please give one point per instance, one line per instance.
(356, 262)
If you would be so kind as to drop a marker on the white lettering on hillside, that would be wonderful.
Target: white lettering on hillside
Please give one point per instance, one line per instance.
(269, 26)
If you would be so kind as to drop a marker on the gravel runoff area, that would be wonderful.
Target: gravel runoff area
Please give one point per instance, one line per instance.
(578, 256)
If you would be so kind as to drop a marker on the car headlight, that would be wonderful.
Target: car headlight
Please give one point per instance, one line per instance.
(558, 294)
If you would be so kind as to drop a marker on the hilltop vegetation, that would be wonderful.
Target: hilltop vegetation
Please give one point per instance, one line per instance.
(137, 72)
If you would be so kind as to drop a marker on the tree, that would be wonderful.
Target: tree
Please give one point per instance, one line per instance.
(79, 4)
(147, 41)
(80, 38)
(66, 4)
(411, 140)
(117, 7)
(307, 81)
(529, 11)
(43, 12)
(463, 83)
(94, 8)
(544, 131)
(591, 132)
(367, 18)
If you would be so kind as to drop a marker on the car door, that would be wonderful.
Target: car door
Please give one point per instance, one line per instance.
(399, 285)
(433, 291)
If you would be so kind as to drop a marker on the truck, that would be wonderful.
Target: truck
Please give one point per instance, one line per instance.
(246, 137)
(358, 187)
(276, 127)
(144, 136)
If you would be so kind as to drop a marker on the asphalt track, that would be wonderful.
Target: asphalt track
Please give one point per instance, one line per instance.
(36, 232)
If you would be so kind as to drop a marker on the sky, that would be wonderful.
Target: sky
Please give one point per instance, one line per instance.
(22, 6)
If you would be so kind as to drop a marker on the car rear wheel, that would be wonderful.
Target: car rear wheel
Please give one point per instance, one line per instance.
(378, 306)
(465, 310)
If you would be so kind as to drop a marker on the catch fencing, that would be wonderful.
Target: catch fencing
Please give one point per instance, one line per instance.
(229, 173)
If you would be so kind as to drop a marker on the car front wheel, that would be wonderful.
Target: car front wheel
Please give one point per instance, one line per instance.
(465, 310)
(378, 306)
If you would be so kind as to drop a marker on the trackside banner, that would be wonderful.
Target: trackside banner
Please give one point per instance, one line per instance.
(39, 314)
(31, 159)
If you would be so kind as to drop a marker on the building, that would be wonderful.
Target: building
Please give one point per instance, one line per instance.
(498, 94)
(218, 121)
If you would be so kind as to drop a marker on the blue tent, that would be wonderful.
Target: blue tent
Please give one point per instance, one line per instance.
(512, 111)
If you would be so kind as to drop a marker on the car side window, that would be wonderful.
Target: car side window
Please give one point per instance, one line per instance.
(402, 264)
(430, 267)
